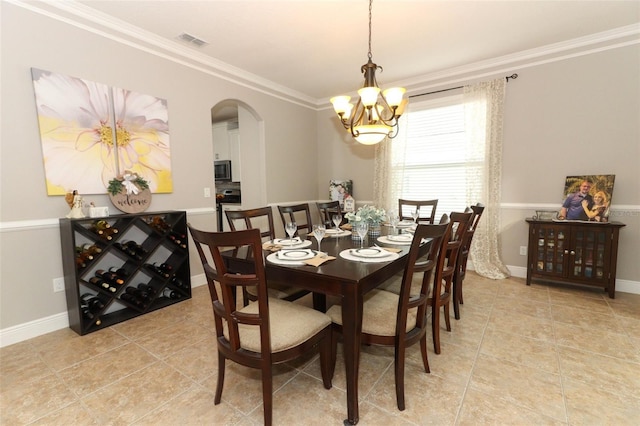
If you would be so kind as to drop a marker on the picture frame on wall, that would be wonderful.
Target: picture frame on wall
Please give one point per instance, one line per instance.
(587, 198)
(339, 190)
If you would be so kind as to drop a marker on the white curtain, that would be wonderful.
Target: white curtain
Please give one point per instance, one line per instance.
(483, 128)
(483, 104)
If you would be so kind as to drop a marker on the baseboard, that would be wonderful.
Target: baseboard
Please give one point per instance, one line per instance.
(29, 330)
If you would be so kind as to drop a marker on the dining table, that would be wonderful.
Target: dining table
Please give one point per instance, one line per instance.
(349, 279)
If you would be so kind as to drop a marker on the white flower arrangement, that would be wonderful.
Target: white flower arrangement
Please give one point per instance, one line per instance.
(370, 214)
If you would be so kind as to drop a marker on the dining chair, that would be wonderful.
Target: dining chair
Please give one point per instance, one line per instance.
(442, 285)
(426, 209)
(298, 213)
(268, 332)
(463, 257)
(400, 320)
(261, 218)
(327, 209)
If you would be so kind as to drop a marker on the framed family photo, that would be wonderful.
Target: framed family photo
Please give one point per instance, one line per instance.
(587, 198)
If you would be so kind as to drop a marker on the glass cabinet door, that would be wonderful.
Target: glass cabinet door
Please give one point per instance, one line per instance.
(550, 251)
(588, 261)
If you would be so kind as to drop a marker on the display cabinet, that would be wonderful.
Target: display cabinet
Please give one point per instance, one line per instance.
(119, 267)
(573, 252)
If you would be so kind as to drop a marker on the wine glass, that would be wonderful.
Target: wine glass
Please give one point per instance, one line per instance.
(393, 220)
(361, 229)
(318, 232)
(291, 229)
(337, 219)
(414, 215)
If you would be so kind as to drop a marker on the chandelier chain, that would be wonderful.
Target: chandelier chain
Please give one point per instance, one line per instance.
(370, 7)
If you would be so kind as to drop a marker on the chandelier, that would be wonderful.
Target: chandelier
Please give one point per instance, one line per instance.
(374, 117)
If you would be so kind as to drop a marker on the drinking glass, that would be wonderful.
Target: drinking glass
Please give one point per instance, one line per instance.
(394, 220)
(361, 229)
(414, 215)
(291, 229)
(318, 232)
(337, 219)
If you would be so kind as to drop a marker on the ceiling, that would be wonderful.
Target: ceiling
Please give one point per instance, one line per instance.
(314, 49)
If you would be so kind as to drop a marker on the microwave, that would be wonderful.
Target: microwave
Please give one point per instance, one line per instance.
(222, 170)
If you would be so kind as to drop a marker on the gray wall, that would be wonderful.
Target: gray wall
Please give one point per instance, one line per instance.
(575, 116)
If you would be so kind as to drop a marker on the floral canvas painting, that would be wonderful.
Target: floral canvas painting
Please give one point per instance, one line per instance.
(587, 198)
(91, 133)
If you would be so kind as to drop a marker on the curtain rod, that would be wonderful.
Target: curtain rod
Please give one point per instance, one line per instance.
(512, 76)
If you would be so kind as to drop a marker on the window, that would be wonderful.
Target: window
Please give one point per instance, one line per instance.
(434, 159)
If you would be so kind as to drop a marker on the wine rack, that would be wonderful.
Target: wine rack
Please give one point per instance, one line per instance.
(573, 252)
(123, 266)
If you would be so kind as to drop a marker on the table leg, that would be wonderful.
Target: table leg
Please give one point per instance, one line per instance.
(351, 333)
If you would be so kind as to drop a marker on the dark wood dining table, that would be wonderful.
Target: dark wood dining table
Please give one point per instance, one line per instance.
(347, 279)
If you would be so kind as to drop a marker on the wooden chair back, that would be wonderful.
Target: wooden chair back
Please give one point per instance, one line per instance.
(442, 285)
(273, 320)
(463, 257)
(298, 213)
(327, 209)
(259, 218)
(426, 210)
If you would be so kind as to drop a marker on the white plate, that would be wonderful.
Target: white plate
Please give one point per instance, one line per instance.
(333, 231)
(370, 252)
(404, 238)
(405, 223)
(287, 241)
(295, 254)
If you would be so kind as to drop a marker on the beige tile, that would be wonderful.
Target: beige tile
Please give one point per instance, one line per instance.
(523, 306)
(19, 363)
(69, 351)
(519, 349)
(528, 387)
(73, 414)
(101, 370)
(197, 361)
(193, 407)
(585, 318)
(518, 323)
(24, 402)
(589, 405)
(146, 324)
(524, 292)
(429, 399)
(609, 374)
(625, 308)
(591, 340)
(582, 301)
(482, 409)
(292, 401)
(173, 338)
(243, 385)
(130, 398)
(455, 363)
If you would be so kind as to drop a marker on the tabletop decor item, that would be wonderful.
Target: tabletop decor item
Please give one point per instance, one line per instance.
(369, 214)
(129, 193)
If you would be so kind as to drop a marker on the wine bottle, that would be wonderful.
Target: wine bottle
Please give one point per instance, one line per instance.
(131, 299)
(91, 249)
(147, 288)
(165, 269)
(109, 277)
(178, 282)
(92, 301)
(171, 294)
(120, 272)
(179, 239)
(137, 293)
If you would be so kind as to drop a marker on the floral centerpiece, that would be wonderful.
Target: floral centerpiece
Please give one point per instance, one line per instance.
(370, 214)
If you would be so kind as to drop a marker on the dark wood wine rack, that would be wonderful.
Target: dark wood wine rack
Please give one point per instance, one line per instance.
(156, 245)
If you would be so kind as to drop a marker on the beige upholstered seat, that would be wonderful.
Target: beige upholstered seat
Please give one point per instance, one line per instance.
(400, 320)
(266, 332)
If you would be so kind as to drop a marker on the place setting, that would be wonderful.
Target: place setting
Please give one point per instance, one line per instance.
(336, 232)
(295, 253)
(403, 239)
(370, 254)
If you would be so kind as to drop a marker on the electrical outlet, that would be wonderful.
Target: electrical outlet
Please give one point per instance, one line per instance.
(58, 285)
(207, 193)
(523, 250)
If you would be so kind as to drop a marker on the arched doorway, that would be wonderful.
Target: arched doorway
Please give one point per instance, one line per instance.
(238, 138)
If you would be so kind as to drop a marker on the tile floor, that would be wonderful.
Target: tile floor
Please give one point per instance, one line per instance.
(519, 356)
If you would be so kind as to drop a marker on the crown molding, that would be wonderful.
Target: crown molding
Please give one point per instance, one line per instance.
(86, 18)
